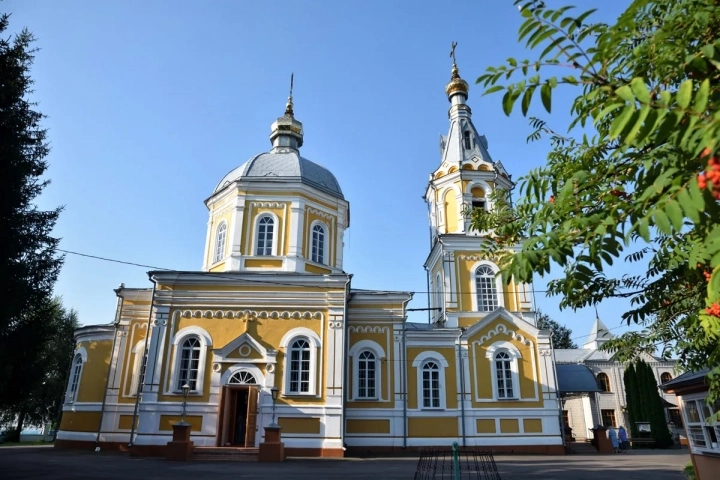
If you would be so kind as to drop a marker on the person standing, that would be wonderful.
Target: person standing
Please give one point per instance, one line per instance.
(622, 435)
(613, 436)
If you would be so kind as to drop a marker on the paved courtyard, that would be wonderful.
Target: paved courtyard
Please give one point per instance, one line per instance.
(47, 463)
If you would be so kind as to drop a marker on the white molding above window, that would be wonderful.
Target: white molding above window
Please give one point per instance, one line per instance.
(176, 342)
(300, 332)
(515, 356)
(253, 370)
(498, 285)
(315, 344)
(354, 353)
(419, 363)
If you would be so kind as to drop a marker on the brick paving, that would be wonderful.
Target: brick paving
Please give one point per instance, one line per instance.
(48, 463)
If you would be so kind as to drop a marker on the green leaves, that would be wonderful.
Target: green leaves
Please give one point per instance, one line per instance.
(684, 94)
(546, 96)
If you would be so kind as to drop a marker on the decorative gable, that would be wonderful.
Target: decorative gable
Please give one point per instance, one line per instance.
(245, 348)
(501, 313)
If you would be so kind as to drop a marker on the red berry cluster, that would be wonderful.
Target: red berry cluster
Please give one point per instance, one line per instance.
(706, 272)
(713, 309)
(711, 173)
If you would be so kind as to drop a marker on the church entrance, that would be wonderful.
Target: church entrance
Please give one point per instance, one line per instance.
(238, 416)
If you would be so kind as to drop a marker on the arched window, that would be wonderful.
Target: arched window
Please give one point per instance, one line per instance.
(468, 141)
(299, 367)
(603, 382)
(75, 378)
(317, 253)
(265, 233)
(242, 378)
(504, 376)
(665, 377)
(138, 366)
(367, 375)
(220, 242)
(486, 289)
(431, 384)
(189, 364)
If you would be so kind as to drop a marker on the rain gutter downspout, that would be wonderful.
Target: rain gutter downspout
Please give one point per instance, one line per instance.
(403, 372)
(346, 352)
(141, 380)
(118, 315)
(557, 392)
(462, 388)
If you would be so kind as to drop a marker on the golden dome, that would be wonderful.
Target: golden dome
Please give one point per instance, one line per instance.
(456, 83)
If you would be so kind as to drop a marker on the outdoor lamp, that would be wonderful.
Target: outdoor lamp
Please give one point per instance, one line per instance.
(274, 393)
(185, 391)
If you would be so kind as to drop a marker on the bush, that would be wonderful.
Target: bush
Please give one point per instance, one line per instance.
(689, 471)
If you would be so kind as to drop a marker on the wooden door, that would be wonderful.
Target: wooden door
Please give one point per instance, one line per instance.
(251, 417)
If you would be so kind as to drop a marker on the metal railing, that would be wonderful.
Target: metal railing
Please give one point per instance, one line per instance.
(456, 464)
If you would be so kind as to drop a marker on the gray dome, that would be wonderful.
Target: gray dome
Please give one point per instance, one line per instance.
(284, 167)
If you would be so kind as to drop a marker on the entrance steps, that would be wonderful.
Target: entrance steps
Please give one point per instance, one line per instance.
(582, 448)
(223, 454)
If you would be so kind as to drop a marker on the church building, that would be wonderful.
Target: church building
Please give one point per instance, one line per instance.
(273, 310)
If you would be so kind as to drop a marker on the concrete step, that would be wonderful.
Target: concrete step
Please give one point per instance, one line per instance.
(582, 448)
(225, 454)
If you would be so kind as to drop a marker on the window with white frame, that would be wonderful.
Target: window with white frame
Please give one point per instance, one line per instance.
(138, 367)
(367, 375)
(486, 289)
(242, 377)
(75, 375)
(189, 364)
(265, 235)
(702, 430)
(504, 375)
(300, 354)
(317, 251)
(431, 390)
(220, 241)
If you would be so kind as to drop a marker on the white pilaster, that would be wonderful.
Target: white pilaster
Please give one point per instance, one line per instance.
(237, 221)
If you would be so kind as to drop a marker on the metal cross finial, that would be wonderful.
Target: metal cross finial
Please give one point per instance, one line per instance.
(452, 51)
(292, 75)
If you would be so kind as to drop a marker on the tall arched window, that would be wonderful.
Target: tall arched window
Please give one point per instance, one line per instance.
(486, 289)
(431, 384)
(665, 377)
(367, 375)
(265, 233)
(189, 364)
(75, 378)
(220, 242)
(317, 253)
(299, 367)
(603, 382)
(503, 374)
(242, 378)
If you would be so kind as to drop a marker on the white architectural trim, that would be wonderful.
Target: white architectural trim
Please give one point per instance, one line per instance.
(138, 353)
(325, 260)
(315, 345)
(176, 341)
(354, 353)
(70, 395)
(275, 238)
(514, 353)
(498, 284)
(240, 367)
(419, 363)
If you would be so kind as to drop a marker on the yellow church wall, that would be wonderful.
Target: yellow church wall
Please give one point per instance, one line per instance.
(80, 421)
(218, 268)
(167, 421)
(485, 425)
(281, 195)
(299, 425)
(532, 425)
(125, 422)
(94, 371)
(466, 281)
(368, 425)
(477, 192)
(432, 427)
(136, 332)
(450, 386)
(481, 368)
(451, 211)
(318, 270)
(262, 263)
(509, 425)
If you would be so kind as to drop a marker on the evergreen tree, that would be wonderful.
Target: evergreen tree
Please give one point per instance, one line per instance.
(655, 409)
(631, 394)
(561, 335)
(29, 263)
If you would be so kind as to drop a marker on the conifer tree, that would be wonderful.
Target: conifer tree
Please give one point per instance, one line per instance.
(631, 394)
(29, 262)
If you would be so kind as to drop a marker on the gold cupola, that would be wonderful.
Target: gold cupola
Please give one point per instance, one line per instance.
(456, 85)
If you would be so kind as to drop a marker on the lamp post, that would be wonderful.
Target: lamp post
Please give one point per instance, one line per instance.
(274, 393)
(185, 392)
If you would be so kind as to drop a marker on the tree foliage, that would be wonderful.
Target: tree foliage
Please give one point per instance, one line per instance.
(636, 179)
(644, 403)
(561, 335)
(40, 374)
(29, 263)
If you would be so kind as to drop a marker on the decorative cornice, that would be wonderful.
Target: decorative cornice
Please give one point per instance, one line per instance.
(268, 204)
(369, 329)
(250, 315)
(320, 213)
(503, 330)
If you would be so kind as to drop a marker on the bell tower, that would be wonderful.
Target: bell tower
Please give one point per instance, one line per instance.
(463, 284)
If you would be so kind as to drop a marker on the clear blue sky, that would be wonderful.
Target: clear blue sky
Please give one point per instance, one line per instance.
(149, 104)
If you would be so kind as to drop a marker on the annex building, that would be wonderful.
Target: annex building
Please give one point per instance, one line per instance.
(272, 307)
